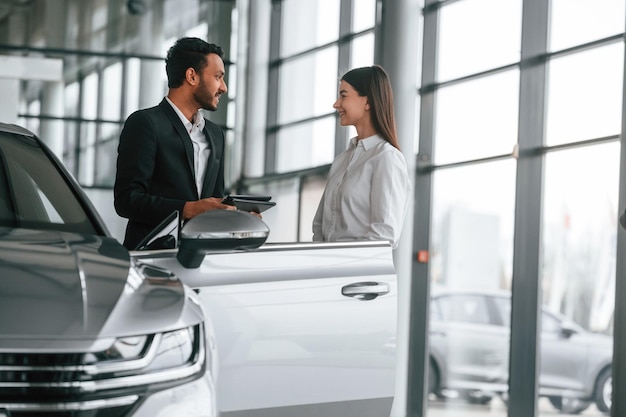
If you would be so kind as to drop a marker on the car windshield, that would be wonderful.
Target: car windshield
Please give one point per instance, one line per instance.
(33, 193)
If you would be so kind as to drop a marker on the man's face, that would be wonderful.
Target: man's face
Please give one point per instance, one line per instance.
(211, 85)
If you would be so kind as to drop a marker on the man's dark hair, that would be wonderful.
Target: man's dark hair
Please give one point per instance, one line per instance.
(187, 53)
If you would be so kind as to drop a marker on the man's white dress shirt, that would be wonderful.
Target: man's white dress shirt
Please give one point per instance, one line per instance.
(200, 144)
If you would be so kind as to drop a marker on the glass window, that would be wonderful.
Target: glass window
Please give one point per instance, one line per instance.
(112, 91)
(107, 157)
(585, 95)
(87, 154)
(579, 233)
(574, 22)
(578, 273)
(465, 308)
(71, 143)
(363, 51)
(469, 357)
(98, 16)
(308, 86)
(363, 15)
(72, 92)
(90, 96)
(315, 23)
(133, 68)
(310, 196)
(472, 39)
(471, 249)
(282, 219)
(33, 123)
(472, 226)
(477, 118)
(503, 306)
(549, 323)
(435, 310)
(33, 194)
(306, 145)
(111, 99)
(198, 31)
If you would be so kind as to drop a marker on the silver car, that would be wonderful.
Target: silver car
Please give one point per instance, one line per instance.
(220, 323)
(469, 347)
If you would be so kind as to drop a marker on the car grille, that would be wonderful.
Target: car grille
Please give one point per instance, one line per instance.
(72, 385)
(109, 412)
(50, 385)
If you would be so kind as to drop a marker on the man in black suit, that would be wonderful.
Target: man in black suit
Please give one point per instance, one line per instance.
(169, 156)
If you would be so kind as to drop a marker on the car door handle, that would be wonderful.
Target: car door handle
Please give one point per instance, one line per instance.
(365, 291)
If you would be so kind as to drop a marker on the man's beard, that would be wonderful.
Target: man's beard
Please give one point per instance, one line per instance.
(204, 97)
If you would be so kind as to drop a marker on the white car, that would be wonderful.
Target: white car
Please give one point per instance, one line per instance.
(223, 324)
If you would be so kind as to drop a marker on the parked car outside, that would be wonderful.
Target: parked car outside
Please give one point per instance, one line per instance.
(221, 324)
(469, 351)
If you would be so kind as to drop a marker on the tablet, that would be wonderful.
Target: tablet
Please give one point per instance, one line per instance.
(257, 204)
(229, 197)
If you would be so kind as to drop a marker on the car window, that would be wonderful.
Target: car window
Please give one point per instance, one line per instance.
(435, 310)
(549, 324)
(464, 308)
(503, 304)
(33, 193)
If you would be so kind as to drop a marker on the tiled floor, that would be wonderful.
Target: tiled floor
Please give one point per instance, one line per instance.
(456, 408)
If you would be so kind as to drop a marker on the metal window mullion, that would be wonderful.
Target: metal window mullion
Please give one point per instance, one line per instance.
(618, 407)
(526, 295)
(79, 127)
(343, 65)
(418, 364)
(100, 67)
(273, 88)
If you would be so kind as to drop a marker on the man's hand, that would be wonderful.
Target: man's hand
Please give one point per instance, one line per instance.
(193, 208)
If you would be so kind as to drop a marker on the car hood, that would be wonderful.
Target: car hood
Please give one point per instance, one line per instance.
(62, 286)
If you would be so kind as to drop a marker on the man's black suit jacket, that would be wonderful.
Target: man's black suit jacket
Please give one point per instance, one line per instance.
(155, 174)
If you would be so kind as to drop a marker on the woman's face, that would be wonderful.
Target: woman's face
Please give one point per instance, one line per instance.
(353, 109)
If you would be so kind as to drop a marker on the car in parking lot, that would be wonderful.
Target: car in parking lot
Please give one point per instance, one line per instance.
(224, 323)
(469, 347)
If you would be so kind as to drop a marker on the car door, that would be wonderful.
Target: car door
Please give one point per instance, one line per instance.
(301, 329)
(476, 347)
(562, 359)
(564, 364)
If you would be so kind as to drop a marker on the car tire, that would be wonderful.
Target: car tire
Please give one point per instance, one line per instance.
(604, 391)
(569, 405)
(433, 380)
(477, 397)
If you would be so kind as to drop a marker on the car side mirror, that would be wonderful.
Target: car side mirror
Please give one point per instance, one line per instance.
(567, 330)
(219, 231)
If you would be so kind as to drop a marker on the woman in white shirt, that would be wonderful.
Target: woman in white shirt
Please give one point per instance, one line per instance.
(368, 187)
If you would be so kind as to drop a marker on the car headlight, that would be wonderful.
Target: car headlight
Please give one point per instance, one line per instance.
(175, 349)
(163, 358)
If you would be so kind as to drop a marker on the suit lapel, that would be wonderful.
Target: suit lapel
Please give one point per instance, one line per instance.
(183, 136)
(211, 168)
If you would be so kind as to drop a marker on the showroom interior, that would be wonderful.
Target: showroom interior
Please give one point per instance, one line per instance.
(510, 115)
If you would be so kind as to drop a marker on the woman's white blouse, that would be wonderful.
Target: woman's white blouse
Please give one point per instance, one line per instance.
(366, 195)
